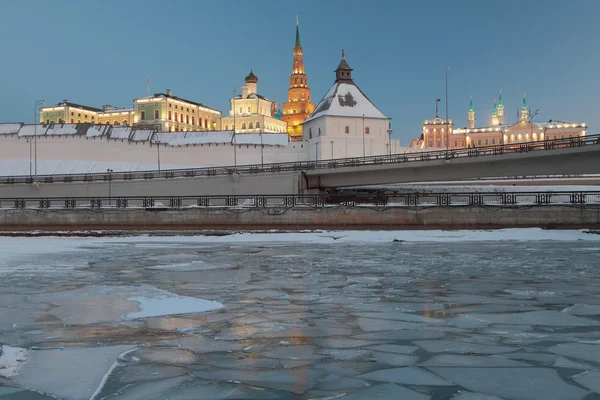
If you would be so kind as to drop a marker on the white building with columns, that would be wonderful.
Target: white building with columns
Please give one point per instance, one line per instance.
(346, 123)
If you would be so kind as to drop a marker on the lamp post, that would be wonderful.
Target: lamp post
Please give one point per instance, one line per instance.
(332, 149)
(30, 165)
(262, 159)
(364, 155)
(235, 89)
(109, 172)
(35, 107)
(531, 115)
(389, 131)
(447, 121)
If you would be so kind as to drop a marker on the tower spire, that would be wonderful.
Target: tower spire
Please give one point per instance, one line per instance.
(500, 109)
(471, 114)
(297, 34)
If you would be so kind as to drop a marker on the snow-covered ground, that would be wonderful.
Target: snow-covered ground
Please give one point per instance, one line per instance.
(507, 314)
(464, 187)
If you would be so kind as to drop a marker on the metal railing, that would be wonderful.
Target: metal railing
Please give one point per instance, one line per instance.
(313, 165)
(307, 201)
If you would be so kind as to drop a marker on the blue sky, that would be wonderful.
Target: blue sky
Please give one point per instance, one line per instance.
(100, 52)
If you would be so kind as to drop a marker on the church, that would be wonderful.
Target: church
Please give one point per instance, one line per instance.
(346, 123)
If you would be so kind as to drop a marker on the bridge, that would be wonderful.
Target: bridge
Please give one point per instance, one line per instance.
(580, 155)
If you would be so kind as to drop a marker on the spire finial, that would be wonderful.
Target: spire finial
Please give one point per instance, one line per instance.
(343, 54)
(500, 104)
(471, 104)
(524, 107)
(297, 34)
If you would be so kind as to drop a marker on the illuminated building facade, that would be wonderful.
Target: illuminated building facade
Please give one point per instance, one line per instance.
(434, 132)
(167, 113)
(66, 112)
(298, 107)
(252, 112)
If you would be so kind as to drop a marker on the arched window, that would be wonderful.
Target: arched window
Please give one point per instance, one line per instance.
(257, 124)
(250, 126)
(125, 123)
(319, 131)
(347, 129)
(226, 127)
(206, 123)
(243, 125)
(116, 123)
(367, 130)
(60, 121)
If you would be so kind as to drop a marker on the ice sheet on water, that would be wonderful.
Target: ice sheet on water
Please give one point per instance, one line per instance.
(454, 346)
(589, 380)
(563, 362)
(84, 369)
(226, 391)
(166, 355)
(400, 335)
(588, 352)
(335, 343)
(394, 348)
(297, 352)
(12, 360)
(345, 354)
(196, 265)
(474, 396)
(374, 325)
(543, 317)
(469, 322)
(156, 388)
(386, 391)
(400, 316)
(406, 376)
(298, 380)
(447, 360)
(395, 360)
(543, 358)
(95, 304)
(512, 383)
(338, 382)
(583, 309)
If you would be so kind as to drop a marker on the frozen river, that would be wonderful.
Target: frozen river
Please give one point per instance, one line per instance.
(511, 314)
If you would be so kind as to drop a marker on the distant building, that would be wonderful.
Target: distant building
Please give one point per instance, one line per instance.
(66, 112)
(167, 113)
(346, 123)
(298, 107)
(252, 112)
(440, 134)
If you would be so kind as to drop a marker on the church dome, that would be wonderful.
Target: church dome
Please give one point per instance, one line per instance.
(251, 78)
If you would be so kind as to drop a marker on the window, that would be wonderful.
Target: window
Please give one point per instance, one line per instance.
(193, 120)
(170, 116)
(47, 121)
(72, 120)
(156, 114)
(116, 123)
(170, 105)
(226, 127)
(367, 130)
(310, 133)
(240, 110)
(347, 129)
(562, 136)
(86, 116)
(257, 124)
(251, 126)
(478, 142)
(175, 117)
(143, 115)
(248, 109)
(493, 141)
(243, 125)
(456, 143)
(72, 113)
(187, 119)
(187, 110)
(79, 115)
(60, 121)
(181, 118)
(125, 123)
(486, 142)
(206, 123)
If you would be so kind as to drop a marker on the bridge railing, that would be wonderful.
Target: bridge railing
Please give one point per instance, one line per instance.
(443, 199)
(310, 165)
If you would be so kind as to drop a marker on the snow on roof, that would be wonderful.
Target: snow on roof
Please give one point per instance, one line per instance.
(120, 132)
(97, 130)
(345, 99)
(31, 130)
(63, 129)
(141, 135)
(10, 129)
(268, 139)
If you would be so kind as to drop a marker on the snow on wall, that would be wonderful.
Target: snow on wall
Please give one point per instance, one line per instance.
(191, 138)
(10, 129)
(62, 129)
(267, 139)
(20, 167)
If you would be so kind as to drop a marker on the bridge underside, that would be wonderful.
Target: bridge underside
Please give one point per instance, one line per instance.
(580, 160)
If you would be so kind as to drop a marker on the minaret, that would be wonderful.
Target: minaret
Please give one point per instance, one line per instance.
(471, 115)
(500, 109)
(524, 110)
(495, 114)
(298, 107)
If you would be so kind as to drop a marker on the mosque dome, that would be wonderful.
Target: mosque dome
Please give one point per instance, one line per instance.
(251, 78)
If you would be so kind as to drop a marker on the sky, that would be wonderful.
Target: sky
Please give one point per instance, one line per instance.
(96, 52)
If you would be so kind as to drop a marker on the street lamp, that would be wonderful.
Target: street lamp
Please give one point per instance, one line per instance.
(30, 165)
(447, 121)
(389, 131)
(157, 143)
(35, 107)
(364, 155)
(109, 172)
(235, 90)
